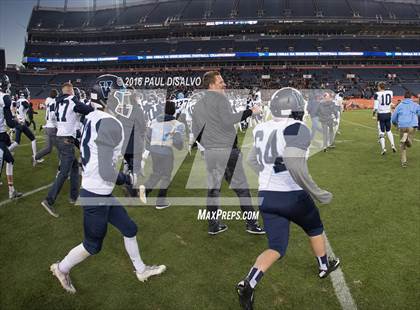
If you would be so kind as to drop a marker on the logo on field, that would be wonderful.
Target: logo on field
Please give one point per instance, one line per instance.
(105, 88)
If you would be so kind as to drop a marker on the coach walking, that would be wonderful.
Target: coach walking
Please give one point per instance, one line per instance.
(405, 117)
(213, 126)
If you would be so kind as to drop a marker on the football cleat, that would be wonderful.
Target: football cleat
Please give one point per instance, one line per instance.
(217, 228)
(35, 162)
(164, 206)
(255, 229)
(332, 265)
(15, 194)
(383, 152)
(150, 271)
(64, 278)
(49, 208)
(404, 165)
(394, 150)
(246, 295)
(142, 194)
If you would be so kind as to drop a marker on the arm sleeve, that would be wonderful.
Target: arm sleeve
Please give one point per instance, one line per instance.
(82, 108)
(10, 122)
(375, 102)
(178, 139)
(252, 160)
(227, 116)
(298, 139)
(394, 117)
(197, 122)
(109, 136)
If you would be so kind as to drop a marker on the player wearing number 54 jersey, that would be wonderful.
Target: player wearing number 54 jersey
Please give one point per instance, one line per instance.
(101, 147)
(382, 107)
(285, 188)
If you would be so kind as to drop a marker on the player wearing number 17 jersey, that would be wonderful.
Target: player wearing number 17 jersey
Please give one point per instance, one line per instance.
(101, 147)
(382, 107)
(279, 157)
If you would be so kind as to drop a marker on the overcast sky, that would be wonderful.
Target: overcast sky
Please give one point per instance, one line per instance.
(14, 18)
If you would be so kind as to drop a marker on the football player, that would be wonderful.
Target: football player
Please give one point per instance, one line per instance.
(279, 156)
(6, 119)
(131, 115)
(382, 108)
(67, 109)
(165, 132)
(22, 108)
(101, 147)
(50, 126)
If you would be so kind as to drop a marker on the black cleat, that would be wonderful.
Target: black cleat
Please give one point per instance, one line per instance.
(49, 208)
(255, 229)
(217, 228)
(246, 295)
(332, 265)
(15, 194)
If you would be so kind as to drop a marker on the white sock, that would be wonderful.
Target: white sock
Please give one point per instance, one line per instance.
(391, 138)
(145, 154)
(13, 146)
(33, 143)
(9, 169)
(9, 172)
(200, 147)
(132, 248)
(382, 142)
(77, 255)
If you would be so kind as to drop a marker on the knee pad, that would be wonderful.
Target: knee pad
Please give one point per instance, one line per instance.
(93, 247)
(130, 230)
(381, 135)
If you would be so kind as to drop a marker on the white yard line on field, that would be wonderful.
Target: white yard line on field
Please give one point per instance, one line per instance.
(341, 289)
(4, 202)
(369, 127)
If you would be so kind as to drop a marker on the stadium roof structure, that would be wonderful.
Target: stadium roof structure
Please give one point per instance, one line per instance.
(167, 11)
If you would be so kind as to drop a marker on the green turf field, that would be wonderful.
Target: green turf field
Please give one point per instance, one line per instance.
(372, 225)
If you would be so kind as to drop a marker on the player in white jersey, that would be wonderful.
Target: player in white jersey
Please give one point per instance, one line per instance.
(67, 110)
(6, 120)
(50, 127)
(101, 147)
(382, 108)
(22, 108)
(279, 156)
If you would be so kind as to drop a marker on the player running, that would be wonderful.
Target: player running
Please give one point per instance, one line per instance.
(285, 188)
(50, 126)
(101, 147)
(6, 118)
(22, 108)
(382, 107)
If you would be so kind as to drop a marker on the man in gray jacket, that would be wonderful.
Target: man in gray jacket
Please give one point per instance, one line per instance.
(213, 126)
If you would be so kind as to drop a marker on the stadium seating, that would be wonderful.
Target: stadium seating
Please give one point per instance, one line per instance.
(195, 10)
(166, 10)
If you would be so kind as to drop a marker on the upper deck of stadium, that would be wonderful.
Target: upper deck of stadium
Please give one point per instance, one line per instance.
(167, 12)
